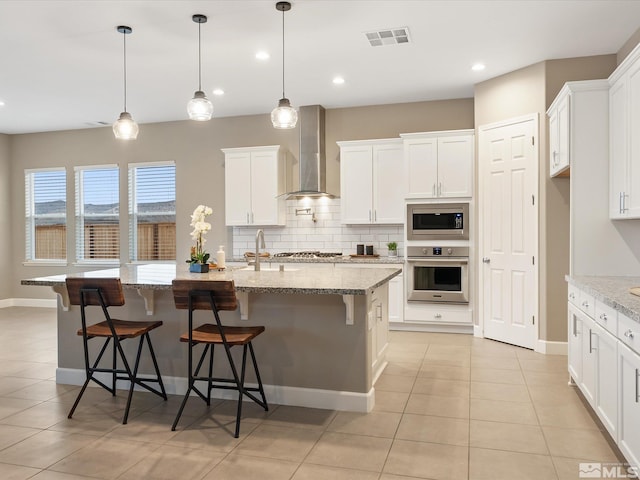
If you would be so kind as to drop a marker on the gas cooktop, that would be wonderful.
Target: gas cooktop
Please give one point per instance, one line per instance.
(306, 254)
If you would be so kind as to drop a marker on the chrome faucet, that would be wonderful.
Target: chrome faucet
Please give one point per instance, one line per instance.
(259, 244)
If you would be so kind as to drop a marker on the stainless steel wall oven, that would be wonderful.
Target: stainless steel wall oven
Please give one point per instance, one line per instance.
(438, 274)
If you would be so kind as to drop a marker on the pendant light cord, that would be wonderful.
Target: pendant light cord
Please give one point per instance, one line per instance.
(283, 96)
(124, 43)
(199, 60)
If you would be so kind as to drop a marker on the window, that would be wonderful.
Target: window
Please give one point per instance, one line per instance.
(46, 214)
(97, 213)
(152, 211)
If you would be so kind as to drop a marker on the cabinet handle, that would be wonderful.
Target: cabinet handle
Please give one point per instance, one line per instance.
(629, 334)
(369, 215)
(434, 189)
(603, 317)
(555, 162)
(585, 304)
(375, 215)
(591, 347)
(247, 217)
(623, 202)
(437, 315)
(637, 394)
(575, 325)
(572, 296)
(439, 188)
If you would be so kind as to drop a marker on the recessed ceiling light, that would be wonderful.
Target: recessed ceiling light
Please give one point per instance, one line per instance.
(218, 91)
(478, 67)
(338, 80)
(1, 103)
(262, 55)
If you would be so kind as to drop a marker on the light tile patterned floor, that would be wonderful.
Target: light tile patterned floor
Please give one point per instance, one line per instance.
(447, 407)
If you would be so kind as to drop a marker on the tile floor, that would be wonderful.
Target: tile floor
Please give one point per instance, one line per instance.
(447, 407)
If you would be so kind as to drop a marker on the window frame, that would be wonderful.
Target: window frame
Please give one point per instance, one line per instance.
(31, 218)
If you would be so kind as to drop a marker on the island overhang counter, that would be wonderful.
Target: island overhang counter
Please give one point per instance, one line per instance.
(325, 338)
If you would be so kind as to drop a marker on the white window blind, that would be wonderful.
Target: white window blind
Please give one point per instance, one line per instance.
(152, 211)
(97, 213)
(46, 214)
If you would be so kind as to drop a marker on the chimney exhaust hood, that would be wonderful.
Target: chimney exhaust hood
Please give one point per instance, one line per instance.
(312, 160)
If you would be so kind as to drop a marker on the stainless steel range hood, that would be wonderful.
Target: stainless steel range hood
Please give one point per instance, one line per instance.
(312, 160)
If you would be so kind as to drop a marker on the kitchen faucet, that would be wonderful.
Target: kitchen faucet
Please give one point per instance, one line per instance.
(259, 244)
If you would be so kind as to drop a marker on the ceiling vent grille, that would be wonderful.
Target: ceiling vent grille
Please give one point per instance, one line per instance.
(390, 36)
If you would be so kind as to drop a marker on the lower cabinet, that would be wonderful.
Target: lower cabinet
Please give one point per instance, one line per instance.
(629, 404)
(396, 299)
(605, 365)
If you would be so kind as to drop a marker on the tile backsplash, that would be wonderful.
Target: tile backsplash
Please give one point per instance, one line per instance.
(326, 234)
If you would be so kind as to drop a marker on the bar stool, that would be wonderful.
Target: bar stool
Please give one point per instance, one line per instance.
(107, 292)
(215, 296)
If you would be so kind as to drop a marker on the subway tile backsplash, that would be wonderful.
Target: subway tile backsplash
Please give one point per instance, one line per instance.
(326, 234)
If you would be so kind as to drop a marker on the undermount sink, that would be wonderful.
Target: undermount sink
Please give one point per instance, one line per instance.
(271, 269)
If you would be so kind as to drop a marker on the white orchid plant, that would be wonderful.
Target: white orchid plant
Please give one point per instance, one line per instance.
(200, 228)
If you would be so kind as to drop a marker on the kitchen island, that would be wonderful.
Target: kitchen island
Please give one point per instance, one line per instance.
(325, 338)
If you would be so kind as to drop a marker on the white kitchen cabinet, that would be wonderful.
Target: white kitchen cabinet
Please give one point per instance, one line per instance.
(254, 183)
(396, 299)
(439, 164)
(372, 182)
(577, 120)
(605, 347)
(575, 332)
(559, 126)
(624, 143)
(629, 404)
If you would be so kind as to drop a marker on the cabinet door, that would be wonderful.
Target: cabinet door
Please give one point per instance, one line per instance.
(632, 199)
(588, 381)
(617, 147)
(264, 188)
(606, 378)
(388, 184)
(237, 188)
(575, 344)
(559, 137)
(628, 404)
(396, 299)
(421, 158)
(356, 184)
(455, 166)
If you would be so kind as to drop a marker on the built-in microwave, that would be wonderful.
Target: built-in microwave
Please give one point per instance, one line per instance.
(438, 221)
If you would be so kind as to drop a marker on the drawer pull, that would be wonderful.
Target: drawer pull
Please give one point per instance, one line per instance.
(572, 296)
(628, 333)
(591, 347)
(437, 315)
(585, 304)
(637, 394)
(603, 316)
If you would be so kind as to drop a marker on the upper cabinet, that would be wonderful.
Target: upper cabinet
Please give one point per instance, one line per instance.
(254, 184)
(578, 125)
(624, 142)
(559, 144)
(372, 187)
(439, 164)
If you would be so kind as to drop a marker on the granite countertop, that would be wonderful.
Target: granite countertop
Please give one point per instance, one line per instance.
(612, 291)
(347, 281)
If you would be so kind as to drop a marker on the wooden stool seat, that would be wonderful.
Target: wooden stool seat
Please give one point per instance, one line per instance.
(102, 293)
(123, 328)
(215, 296)
(209, 333)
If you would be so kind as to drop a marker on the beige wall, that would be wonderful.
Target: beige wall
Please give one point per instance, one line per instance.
(526, 91)
(195, 147)
(5, 215)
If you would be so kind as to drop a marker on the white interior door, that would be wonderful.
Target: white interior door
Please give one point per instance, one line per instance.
(508, 160)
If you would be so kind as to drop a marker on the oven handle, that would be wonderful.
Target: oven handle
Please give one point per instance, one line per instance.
(452, 260)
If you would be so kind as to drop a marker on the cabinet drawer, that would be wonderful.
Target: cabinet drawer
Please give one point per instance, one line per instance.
(607, 317)
(445, 314)
(629, 332)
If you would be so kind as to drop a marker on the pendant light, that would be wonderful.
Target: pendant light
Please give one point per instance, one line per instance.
(125, 128)
(199, 107)
(284, 115)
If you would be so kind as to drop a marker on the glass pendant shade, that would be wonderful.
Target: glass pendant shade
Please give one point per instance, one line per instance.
(284, 116)
(125, 128)
(200, 107)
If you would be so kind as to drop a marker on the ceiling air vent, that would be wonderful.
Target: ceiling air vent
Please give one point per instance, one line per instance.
(391, 36)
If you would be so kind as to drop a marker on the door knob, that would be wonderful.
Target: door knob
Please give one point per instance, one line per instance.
(486, 260)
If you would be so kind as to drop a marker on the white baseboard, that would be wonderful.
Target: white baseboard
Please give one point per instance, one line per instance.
(477, 331)
(279, 395)
(29, 302)
(551, 348)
